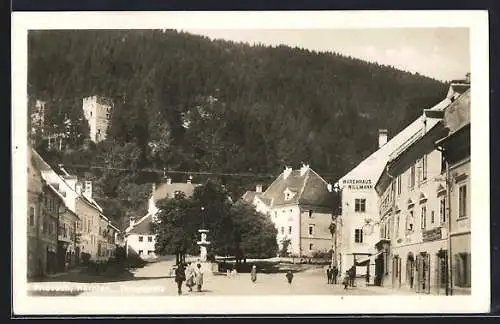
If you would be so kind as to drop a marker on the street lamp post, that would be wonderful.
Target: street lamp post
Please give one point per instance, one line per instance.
(334, 225)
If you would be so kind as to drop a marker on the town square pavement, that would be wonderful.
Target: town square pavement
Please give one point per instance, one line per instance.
(155, 279)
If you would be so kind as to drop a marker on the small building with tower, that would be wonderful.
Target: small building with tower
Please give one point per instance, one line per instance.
(97, 111)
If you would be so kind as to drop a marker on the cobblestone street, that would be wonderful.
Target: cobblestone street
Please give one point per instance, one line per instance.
(154, 280)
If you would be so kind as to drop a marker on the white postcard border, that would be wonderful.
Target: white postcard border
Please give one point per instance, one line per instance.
(478, 301)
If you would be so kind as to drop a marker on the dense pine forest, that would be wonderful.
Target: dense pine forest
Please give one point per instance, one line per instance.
(187, 103)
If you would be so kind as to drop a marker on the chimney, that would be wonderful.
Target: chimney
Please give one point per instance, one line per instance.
(287, 172)
(189, 179)
(78, 188)
(87, 191)
(258, 188)
(303, 169)
(131, 221)
(61, 167)
(467, 78)
(382, 137)
(169, 181)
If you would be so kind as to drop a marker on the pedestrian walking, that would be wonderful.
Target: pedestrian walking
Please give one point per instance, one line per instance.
(180, 277)
(190, 276)
(253, 273)
(329, 274)
(199, 277)
(289, 276)
(352, 276)
(335, 274)
(346, 279)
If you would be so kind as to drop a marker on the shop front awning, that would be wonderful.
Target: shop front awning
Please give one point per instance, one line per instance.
(365, 261)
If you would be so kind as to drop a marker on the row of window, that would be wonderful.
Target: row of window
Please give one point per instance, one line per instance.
(150, 238)
(102, 252)
(410, 223)
(48, 226)
(311, 247)
(150, 252)
(50, 204)
(309, 213)
(66, 231)
(418, 172)
(311, 229)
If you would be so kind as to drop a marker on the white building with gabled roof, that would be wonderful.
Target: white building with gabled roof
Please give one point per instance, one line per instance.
(300, 204)
(140, 238)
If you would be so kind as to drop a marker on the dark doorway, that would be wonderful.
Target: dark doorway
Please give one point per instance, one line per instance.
(396, 272)
(410, 270)
(379, 270)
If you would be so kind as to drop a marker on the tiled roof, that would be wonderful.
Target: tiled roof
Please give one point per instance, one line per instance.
(315, 191)
(371, 168)
(143, 226)
(39, 161)
(167, 190)
(458, 114)
(308, 188)
(460, 88)
(250, 195)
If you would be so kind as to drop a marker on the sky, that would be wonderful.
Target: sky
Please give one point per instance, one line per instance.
(440, 53)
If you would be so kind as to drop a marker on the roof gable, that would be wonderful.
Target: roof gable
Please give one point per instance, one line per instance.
(305, 187)
(372, 167)
(168, 190)
(143, 226)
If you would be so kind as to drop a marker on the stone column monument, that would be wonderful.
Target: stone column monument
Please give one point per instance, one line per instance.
(203, 243)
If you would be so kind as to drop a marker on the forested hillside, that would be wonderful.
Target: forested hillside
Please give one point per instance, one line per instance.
(184, 102)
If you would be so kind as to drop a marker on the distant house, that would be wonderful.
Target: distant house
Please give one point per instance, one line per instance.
(139, 236)
(38, 118)
(300, 204)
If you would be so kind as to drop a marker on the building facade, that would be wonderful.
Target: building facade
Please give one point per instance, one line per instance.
(97, 112)
(300, 204)
(49, 216)
(456, 152)
(67, 244)
(140, 238)
(359, 220)
(90, 242)
(35, 264)
(413, 223)
(92, 226)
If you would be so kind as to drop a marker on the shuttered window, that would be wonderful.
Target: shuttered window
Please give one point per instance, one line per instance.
(462, 201)
(463, 270)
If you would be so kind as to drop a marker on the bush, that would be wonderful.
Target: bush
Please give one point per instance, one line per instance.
(323, 254)
(285, 244)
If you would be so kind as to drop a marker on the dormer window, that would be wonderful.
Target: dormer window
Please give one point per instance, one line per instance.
(288, 194)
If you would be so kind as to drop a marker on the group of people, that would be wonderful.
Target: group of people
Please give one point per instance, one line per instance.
(192, 275)
(332, 274)
(350, 277)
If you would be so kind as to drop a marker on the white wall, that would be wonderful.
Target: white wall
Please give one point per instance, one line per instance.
(286, 217)
(352, 220)
(145, 246)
